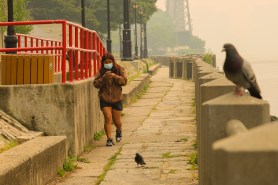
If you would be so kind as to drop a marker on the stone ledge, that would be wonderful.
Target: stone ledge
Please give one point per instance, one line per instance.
(153, 69)
(34, 162)
(134, 88)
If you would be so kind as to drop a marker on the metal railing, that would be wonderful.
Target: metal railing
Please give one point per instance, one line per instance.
(84, 48)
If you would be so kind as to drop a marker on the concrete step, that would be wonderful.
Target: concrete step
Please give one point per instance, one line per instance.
(34, 162)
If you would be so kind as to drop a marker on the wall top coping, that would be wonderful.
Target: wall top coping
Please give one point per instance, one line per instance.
(256, 139)
(213, 75)
(219, 82)
(232, 100)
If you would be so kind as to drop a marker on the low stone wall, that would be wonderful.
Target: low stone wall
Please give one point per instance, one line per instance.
(216, 104)
(35, 162)
(69, 109)
(134, 88)
(153, 69)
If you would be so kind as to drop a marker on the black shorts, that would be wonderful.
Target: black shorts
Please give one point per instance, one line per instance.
(117, 105)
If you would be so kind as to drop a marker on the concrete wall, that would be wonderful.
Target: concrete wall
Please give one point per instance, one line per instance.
(216, 104)
(69, 109)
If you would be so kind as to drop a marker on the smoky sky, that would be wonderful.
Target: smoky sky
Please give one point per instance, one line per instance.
(251, 25)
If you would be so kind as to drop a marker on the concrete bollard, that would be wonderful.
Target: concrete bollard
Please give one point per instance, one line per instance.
(249, 158)
(215, 113)
(211, 86)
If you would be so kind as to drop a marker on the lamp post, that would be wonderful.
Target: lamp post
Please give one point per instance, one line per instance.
(10, 39)
(108, 41)
(141, 33)
(145, 41)
(135, 6)
(127, 53)
(83, 13)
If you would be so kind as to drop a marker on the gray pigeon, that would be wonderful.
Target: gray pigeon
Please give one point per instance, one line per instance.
(240, 72)
(139, 159)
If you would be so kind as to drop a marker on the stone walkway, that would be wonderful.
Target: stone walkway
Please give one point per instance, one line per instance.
(160, 126)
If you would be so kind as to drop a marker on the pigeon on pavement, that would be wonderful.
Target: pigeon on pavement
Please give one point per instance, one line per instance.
(240, 72)
(139, 159)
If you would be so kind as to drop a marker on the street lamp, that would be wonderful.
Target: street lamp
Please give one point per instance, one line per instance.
(141, 33)
(127, 53)
(83, 13)
(10, 39)
(135, 6)
(108, 41)
(145, 41)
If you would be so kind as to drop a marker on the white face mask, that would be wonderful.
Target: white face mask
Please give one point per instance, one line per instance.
(108, 66)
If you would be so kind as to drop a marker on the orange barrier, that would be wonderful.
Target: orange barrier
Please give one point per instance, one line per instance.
(27, 69)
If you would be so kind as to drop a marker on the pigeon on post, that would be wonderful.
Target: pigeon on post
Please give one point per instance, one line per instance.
(240, 72)
(139, 159)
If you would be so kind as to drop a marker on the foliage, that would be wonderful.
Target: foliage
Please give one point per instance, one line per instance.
(208, 58)
(167, 155)
(95, 12)
(68, 166)
(83, 159)
(161, 33)
(193, 160)
(98, 135)
(20, 14)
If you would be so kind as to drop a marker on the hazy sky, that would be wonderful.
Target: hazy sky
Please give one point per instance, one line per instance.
(251, 25)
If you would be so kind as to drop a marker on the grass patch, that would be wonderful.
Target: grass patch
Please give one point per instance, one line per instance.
(194, 108)
(108, 166)
(83, 159)
(194, 145)
(99, 135)
(167, 155)
(170, 155)
(193, 160)
(172, 171)
(68, 166)
(88, 148)
(184, 140)
(8, 146)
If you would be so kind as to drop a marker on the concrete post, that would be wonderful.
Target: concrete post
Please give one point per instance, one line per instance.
(184, 68)
(201, 99)
(215, 113)
(249, 158)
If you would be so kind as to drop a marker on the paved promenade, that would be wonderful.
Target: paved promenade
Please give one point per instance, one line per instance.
(160, 126)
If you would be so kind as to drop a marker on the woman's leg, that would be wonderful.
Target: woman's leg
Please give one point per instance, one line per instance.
(107, 113)
(117, 119)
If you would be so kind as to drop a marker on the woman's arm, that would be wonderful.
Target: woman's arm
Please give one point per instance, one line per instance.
(122, 78)
(98, 81)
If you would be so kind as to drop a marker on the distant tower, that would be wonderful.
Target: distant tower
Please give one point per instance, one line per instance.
(179, 12)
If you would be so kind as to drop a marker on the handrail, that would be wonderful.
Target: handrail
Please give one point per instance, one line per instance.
(83, 45)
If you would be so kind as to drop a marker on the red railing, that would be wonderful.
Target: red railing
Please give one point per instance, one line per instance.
(27, 41)
(84, 47)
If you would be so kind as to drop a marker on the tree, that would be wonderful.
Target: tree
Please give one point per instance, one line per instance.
(148, 8)
(161, 33)
(20, 14)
